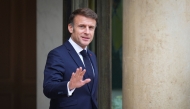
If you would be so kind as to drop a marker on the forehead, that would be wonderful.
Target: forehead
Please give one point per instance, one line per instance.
(79, 19)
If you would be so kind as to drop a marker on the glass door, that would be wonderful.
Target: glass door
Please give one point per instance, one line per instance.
(117, 54)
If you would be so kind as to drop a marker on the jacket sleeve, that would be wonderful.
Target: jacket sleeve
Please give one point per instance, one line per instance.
(54, 86)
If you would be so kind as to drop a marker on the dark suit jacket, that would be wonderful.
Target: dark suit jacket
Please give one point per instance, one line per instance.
(61, 63)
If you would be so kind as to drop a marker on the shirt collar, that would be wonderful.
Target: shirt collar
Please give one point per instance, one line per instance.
(77, 48)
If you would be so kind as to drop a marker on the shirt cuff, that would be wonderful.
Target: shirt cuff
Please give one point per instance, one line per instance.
(70, 92)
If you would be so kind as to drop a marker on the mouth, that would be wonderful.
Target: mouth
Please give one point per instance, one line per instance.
(85, 38)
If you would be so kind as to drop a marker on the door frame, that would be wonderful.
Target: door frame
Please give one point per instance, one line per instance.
(102, 44)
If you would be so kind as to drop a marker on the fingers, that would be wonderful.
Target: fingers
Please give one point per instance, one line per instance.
(76, 79)
(79, 72)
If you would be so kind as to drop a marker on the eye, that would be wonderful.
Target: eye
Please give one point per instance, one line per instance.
(91, 27)
(82, 26)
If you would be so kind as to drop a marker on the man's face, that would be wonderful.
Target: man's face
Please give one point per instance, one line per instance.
(82, 30)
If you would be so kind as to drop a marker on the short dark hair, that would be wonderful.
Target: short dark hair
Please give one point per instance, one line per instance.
(87, 12)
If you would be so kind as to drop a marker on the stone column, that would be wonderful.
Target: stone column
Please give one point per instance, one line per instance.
(156, 54)
(49, 36)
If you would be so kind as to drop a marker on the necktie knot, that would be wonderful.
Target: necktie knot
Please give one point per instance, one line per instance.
(83, 53)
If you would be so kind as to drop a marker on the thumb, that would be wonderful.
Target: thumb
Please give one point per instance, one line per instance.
(87, 81)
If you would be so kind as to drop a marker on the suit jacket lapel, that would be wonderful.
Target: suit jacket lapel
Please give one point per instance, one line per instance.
(95, 84)
(92, 58)
(74, 54)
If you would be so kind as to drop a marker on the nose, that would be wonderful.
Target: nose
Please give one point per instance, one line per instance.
(87, 30)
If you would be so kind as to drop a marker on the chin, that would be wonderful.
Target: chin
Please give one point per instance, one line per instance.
(85, 44)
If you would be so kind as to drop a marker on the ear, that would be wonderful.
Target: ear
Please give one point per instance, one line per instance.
(70, 28)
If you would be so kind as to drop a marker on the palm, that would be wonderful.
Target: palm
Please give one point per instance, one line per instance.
(76, 80)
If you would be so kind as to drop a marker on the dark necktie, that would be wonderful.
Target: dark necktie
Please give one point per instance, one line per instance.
(88, 66)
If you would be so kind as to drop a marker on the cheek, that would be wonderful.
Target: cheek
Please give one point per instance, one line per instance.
(92, 35)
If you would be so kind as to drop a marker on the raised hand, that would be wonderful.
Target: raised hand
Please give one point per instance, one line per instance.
(76, 80)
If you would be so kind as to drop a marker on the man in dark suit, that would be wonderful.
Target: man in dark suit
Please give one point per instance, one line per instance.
(71, 74)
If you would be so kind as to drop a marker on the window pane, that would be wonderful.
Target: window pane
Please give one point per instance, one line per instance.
(117, 54)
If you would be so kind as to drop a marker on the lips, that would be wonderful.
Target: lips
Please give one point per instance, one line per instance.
(85, 38)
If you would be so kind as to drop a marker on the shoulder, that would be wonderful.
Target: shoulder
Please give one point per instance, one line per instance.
(60, 50)
(57, 49)
(91, 53)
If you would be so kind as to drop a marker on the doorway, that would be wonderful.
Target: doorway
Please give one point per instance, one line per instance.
(18, 54)
(101, 44)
